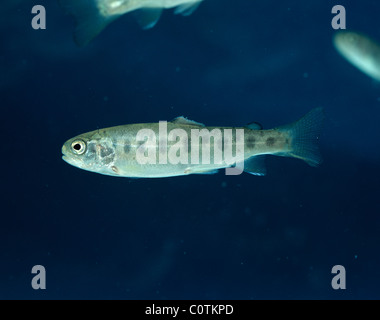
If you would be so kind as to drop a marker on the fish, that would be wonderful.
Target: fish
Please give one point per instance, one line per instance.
(92, 16)
(183, 147)
(360, 50)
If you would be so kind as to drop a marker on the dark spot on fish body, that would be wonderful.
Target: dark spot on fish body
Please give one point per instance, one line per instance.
(91, 148)
(108, 160)
(114, 143)
(270, 142)
(127, 148)
(250, 142)
(140, 143)
(106, 152)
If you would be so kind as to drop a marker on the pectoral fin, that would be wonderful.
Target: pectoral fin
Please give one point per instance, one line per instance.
(89, 21)
(147, 18)
(187, 8)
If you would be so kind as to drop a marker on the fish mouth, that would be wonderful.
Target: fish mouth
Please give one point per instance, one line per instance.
(68, 158)
(64, 155)
(65, 158)
(72, 161)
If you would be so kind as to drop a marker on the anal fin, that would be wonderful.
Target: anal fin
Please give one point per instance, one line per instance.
(255, 165)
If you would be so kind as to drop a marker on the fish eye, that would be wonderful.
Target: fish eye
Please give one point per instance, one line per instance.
(78, 147)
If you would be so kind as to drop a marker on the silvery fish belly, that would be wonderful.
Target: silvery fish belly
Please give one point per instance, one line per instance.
(183, 147)
(92, 16)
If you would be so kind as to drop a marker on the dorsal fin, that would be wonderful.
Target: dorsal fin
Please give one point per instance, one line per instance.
(183, 120)
(254, 126)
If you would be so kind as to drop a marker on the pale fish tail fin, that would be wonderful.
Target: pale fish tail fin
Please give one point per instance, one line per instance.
(88, 19)
(304, 137)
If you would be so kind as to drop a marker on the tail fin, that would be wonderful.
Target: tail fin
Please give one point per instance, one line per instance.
(304, 136)
(89, 20)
